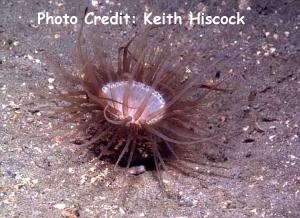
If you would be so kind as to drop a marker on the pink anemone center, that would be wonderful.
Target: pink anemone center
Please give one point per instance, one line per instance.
(141, 99)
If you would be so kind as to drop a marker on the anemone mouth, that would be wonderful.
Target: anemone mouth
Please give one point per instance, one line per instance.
(134, 99)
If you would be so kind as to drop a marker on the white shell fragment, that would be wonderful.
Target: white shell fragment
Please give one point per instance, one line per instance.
(137, 170)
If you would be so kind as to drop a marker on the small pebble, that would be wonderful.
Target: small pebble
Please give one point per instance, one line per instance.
(272, 137)
(248, 154)
(60, 206)
(249, 140)
(245, 128)
(51, 80)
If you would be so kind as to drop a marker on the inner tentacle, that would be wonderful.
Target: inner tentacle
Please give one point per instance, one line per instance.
(116, 122)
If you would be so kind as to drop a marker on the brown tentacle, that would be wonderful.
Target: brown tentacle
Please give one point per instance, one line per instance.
(171, 149)
(164, 137)
(128, 140)
(116, 122)
(132, 149)
(157, 154)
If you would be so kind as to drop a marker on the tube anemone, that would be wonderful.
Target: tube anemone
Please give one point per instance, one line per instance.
(138, 101)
